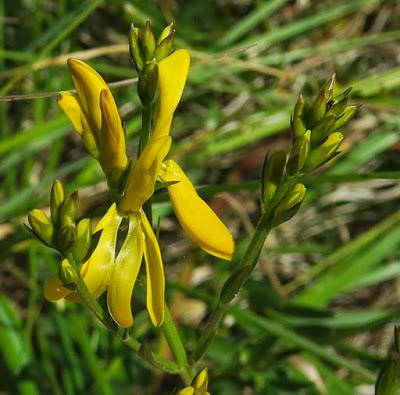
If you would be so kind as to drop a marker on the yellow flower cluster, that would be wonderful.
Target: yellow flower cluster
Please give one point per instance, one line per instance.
(94, 115)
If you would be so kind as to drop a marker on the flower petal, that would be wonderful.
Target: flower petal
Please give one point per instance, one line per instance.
(197, 219)
(124, 274)
(172, 76)
(99, 266)
(112, 136)
(187, 391)
(54, 289)
(88, 83)
(142, 178)
(154, 274)
(69, 103)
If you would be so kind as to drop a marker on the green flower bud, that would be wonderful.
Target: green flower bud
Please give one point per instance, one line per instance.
(66, 237)
(324, 152)
(297, 121)
(147, 84)
(273, 169)
(319, 107)
(83, 240)
(134, 47)
(69, 209)
(289, 205)
(340, 103)
(56, 200)
(41, 226)
(322, 129)
(348, 113)
(166, 33)
(67, 274)
(322, 101)
(149, 42)
(165, 47)
(298, 154)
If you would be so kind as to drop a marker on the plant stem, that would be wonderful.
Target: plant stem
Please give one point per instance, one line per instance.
(176, 346)
(233, 284)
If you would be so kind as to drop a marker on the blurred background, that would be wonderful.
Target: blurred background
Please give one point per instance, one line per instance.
(317, 316)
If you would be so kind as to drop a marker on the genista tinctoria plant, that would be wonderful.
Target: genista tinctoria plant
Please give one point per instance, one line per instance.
(91, 264)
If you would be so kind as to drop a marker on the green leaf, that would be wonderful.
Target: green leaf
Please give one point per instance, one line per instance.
(13, 345)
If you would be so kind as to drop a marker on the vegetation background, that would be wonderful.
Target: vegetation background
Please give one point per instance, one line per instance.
(317, 316)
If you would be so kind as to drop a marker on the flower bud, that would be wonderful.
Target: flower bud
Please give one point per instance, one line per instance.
(324, 152)
(321, 102)
(69, 209)
(56, 200)
(134, 48)
(66, 237)
(273, 169)
(297, 122)
(348, 113)
(147, 84)
(166, 33)
(298, 154)
(149, 42)
(322, 129)
(83, 240)
(165, 46)
(319, 107)
(67, 274)
(41, 226)
(200, 382)
(290, 204)
(340, 104)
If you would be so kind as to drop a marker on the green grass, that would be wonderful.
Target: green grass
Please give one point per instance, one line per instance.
(325, 294)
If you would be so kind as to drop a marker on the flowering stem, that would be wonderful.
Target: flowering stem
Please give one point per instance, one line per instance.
(232, 286)
(169, 329)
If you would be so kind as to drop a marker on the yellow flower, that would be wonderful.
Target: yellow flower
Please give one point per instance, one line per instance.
(199, 385)
(197, 219)
(103, 271)
(94, 115)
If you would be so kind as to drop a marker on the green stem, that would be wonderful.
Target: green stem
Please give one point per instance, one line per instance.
(176, 346)
(233, 284)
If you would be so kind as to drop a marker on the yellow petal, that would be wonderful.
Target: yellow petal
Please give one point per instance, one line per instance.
(88, 83)
(107, 218)
(124, 274)
(154, 274)
(54, 289)
(197, 219)
(142, 178)
(99, 266)
(112, 136)
(187, 391)
(200, 382)
(172, 76)
(69, 103)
